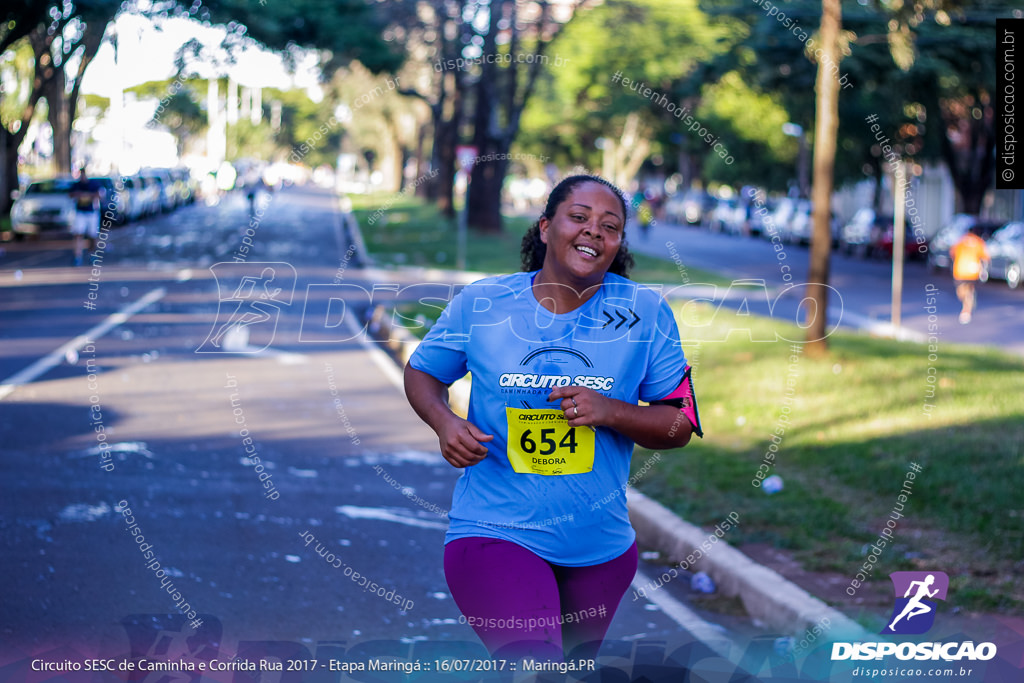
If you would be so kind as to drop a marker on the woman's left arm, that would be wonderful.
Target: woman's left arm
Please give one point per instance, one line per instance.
(652, 426)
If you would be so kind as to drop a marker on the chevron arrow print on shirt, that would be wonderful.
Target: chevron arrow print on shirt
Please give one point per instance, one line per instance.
(622, 320)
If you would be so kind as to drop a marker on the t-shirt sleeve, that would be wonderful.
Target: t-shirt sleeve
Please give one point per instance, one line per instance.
(668, 375)
(666, 362)
(442, 353)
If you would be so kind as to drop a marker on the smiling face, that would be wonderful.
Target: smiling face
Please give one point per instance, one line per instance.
(584, 235)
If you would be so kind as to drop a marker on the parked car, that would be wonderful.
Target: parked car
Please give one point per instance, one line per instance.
(690, 207)
(1006, 249)
(113, 198)
(165, 199)
(797, 230)
(134, 198)
(938, 250)
(44, 207)
(184, 186)
(864, 232)
(779, 218)
(883, 244)
(150, 190)
(727, 216)
(756, 222)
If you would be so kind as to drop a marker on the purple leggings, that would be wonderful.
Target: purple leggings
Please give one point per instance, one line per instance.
(521, 605)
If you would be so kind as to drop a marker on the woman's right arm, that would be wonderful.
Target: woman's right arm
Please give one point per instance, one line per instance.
(460, 440)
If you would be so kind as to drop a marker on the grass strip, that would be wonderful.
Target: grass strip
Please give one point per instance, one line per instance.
(411, 232)
(857, 420)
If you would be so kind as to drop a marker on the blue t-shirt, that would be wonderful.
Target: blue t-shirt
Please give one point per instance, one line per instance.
(623, 342)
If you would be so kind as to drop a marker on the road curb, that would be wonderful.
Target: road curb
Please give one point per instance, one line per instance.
(401, 343)
(766, 595)
(350, 226)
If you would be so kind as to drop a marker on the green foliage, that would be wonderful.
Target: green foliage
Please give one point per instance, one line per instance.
(750, 126)
(943, 56)
(672, 48)
(304, 121)
(248, 140)
(17, 68)
(182, 114)
(342, 30)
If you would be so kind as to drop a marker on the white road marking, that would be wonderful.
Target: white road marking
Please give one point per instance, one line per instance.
(29, 260)
(382, 360)
(54, 358)
(356, 512)
(702, 630)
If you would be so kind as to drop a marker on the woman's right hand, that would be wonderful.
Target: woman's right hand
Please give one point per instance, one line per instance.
(462, 442)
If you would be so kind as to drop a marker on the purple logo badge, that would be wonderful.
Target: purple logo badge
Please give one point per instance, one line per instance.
(916, 593)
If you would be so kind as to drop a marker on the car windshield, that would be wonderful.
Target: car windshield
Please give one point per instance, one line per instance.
(1011, 233)
(53, 186)
(986, 230)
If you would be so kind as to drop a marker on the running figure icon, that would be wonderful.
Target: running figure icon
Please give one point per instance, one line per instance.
(915, 607)
(251, 297)
(250, 312)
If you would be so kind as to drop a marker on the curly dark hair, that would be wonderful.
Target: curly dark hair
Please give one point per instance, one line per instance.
(533, 249)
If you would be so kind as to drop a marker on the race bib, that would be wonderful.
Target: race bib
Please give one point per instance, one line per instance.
(542, 442)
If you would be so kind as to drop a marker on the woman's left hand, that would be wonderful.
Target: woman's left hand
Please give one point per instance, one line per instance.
(651, 426)
(583, 407)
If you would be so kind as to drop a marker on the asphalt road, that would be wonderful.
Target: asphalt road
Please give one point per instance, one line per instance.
(132, 408)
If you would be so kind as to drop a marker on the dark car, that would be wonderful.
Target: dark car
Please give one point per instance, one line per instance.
(1006, 249)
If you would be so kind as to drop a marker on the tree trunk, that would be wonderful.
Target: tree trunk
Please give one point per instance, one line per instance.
(876, 194)
(9, 143)
(826, 132)
(630, 151)
(501, 96)
(59, 116)
(485, 196)
(421, 166)
(40, 42)
(483, 201)
(971, 161)
(445, 139)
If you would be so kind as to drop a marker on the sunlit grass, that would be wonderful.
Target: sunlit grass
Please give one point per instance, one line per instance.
(858, 419)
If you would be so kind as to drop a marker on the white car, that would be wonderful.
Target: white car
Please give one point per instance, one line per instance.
(44, 207)
(144, 197)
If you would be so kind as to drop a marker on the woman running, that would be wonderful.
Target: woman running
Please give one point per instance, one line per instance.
(539, 549)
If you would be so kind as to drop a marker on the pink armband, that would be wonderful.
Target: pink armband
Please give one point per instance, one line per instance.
(684, 398)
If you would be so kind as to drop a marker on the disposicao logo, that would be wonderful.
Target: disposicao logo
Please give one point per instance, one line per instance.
(913, 614)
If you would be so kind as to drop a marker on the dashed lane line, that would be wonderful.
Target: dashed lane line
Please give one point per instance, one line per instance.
(53, 358)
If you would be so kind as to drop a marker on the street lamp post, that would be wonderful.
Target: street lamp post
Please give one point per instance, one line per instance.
(899, 192)
(795, 130)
